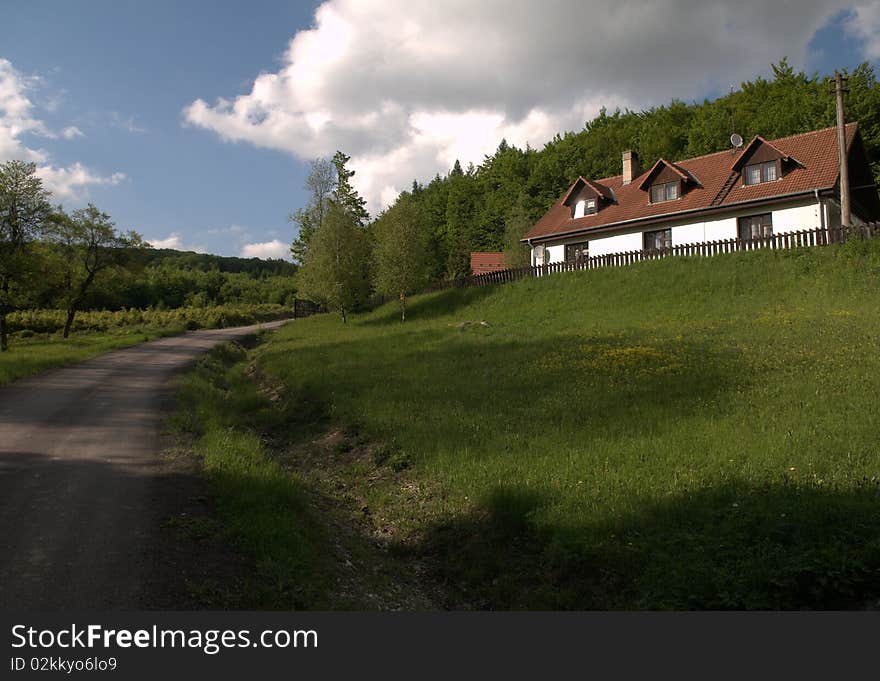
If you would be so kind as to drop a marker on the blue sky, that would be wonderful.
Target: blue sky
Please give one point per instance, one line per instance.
(158, 113)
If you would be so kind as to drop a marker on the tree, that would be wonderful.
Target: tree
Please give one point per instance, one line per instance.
(334, 271)
(516, 224)
(344, 194)
(320, 183)
(88, 245)
(401, 251)
(24, 207)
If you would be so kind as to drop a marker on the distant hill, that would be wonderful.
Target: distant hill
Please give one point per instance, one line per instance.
(205, 262)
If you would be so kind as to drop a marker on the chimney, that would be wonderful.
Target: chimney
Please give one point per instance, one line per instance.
(631, 169)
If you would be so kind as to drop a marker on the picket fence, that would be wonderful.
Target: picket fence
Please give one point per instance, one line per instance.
(798, 239)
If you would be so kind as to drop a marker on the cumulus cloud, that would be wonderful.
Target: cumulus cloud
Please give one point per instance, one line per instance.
(65, 183)
(174, 241)
(407, 86)
(17, 120)
(16, 117)
(267, 249)
(864, 23)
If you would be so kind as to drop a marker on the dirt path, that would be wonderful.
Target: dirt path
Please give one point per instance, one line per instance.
(82, 489)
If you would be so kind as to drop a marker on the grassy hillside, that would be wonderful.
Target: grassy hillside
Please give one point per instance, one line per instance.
(676, 434)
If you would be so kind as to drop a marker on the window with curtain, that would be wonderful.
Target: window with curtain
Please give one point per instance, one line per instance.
(664, 191)
(657, 240)
(756, 226)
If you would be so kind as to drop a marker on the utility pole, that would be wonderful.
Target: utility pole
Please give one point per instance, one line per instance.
(839, 89)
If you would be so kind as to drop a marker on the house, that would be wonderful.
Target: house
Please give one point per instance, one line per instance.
(764, 188)
(482, 263)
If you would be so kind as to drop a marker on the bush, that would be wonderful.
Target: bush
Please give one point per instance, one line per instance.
(50, 321)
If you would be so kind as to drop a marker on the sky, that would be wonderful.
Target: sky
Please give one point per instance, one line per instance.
(194, 122)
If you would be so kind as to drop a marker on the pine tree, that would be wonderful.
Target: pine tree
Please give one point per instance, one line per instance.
(344, 194)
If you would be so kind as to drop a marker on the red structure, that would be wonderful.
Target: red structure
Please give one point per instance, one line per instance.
(481, 263)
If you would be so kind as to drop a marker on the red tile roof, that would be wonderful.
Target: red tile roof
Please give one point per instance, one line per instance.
(815, 152)
(487, 262)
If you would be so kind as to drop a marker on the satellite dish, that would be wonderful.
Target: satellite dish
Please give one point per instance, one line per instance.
(736, 140)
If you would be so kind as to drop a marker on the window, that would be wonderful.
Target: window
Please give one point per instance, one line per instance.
(577, 252)
(760, 172)
(655, 241)
(584, 207)
(664, 191)
(756, 227)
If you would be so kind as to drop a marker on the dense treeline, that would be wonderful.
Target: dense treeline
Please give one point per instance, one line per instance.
(55, 264)
(168, 279)
(489, 207)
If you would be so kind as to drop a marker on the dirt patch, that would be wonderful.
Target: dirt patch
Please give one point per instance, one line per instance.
(374, 574)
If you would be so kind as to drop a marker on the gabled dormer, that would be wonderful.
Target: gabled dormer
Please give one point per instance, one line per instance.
(762, 162)
(586, 198)
(666, 181)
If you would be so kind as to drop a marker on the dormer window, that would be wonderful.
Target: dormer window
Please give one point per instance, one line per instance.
(584, 207)
(757, 173)
(665, 191)
(667, 182)
(586, 198)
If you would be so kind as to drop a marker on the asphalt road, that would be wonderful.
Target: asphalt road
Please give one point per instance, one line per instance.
(82, 488)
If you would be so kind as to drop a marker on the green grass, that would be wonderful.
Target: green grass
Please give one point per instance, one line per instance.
(263, 509)
(34, 354)
(36, 344)
(697, 433)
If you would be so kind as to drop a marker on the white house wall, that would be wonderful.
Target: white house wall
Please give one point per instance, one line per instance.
(616, 244)
(805, 213)
(795, 218)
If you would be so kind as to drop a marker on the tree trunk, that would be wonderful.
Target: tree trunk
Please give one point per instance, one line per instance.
(71, 313)
(403, 306)
(342, 310)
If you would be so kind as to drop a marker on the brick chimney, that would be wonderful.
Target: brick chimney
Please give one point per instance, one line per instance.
(631, 169)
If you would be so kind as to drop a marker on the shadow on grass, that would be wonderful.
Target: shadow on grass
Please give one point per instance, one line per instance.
(428, 306)
(739, 546)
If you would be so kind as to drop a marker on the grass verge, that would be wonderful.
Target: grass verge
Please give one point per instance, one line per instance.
(36, 353)
(36, 343)
(262, 509)
(282, 482)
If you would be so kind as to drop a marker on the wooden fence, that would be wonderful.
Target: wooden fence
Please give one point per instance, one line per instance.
(800, 239)
(306, 308)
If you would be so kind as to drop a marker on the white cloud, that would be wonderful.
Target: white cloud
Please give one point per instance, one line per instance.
(16, 117)
(65, 183)
(174, 242)
(407, 86)
(17, 120)
(864, 23)
(71, 131)
(268, 249)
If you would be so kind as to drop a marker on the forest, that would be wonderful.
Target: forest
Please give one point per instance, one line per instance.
(489, 207)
